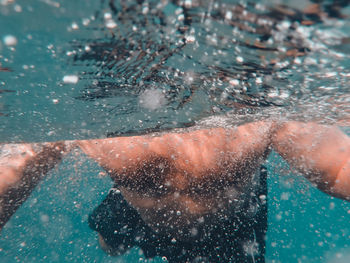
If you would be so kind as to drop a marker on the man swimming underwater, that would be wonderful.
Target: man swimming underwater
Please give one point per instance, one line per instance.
(191, 195)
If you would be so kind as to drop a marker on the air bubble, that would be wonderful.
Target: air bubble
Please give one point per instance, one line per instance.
(188, 3)
(239, 59)
(152, 99)
(74, 26)
(10, 40)
(44, 218)
(107, 16)
(111, 24)
(190, 39)
(70, 79)
(228, 15)
(234, 82)
(86, 21)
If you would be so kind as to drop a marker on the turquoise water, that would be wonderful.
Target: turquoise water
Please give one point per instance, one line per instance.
(305, 225)
(38, 104)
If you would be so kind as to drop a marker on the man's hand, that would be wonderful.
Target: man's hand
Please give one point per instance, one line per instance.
(13, 159)
(320, 152)
(22, 166)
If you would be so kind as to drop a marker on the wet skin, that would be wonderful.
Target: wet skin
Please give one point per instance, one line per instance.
(174, 179)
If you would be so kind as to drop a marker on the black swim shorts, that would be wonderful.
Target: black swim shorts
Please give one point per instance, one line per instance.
(240, 238)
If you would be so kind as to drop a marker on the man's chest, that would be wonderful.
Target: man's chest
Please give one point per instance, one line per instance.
(178, 212)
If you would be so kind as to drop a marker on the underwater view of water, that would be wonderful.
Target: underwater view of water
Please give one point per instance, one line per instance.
(96, 69)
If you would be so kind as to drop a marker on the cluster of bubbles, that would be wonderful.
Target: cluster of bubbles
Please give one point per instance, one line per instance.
(164, 64)
(174, 62)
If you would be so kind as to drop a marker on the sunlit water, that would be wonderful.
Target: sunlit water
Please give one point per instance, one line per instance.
(83, 69)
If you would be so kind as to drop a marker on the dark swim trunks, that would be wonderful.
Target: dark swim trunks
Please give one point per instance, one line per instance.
(238, 238)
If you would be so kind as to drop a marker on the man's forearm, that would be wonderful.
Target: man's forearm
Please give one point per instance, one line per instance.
(320, 152)
(22, 166)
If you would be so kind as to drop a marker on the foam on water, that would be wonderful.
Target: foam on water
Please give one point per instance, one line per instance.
(152, 99)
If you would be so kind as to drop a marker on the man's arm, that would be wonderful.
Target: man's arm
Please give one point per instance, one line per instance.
(321, 153)
(22, 166)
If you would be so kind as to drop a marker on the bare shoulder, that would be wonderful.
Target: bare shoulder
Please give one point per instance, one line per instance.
(193, 146)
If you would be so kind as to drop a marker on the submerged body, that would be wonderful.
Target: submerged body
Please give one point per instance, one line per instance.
(190, 174)
(234, 234)
(197, 187)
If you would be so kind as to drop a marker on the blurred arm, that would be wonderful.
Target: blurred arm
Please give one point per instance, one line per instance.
(22, 166)
(321, 153)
